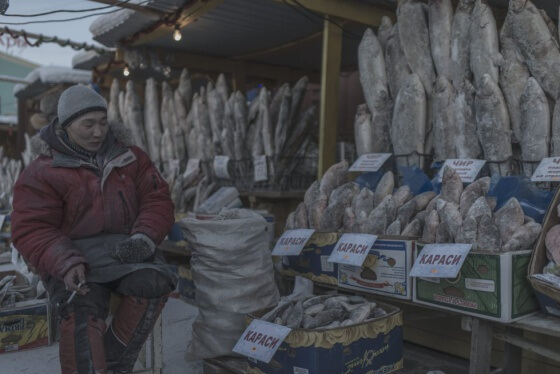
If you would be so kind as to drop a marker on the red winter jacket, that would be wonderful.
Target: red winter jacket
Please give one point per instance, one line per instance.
(61, 196)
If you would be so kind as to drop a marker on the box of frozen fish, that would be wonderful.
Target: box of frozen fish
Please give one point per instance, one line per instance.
(373, 345)
(493, 286)
(312, 262)
(24, 326)
(385, 270)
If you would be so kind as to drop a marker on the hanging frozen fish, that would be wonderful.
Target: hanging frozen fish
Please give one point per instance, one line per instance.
(472, 192)
(535, 126)
(167, 150)
(555, 132)
(492, 126)
(532, 37)
(216, 117)
(266, 125)
(415, 40)
(298, 93)
(113, 111)
(467, 145)
(173, 124)
(229, 119)
(460, 42)
(485, 57)
(185, 89)
(371, 63)
(122, 106)
(408, 131)
(282, 123)
(443, 120)
(152, 121)
(523, 237)
(134, 116)
(440, 19)
(513, 77)
(222, 87)
(180, 111)
(276, 101)
(363, 131)
(300, 132)
(395, 63)
(240, 113)
(384, 31)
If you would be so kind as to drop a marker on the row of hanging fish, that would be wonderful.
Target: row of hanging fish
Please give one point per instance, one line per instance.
(9, 173)
(456, 215)
(324, 312)
(448, 84)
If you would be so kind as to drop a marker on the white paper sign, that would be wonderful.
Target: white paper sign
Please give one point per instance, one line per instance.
(193, 166)
(221, 167)
(261, 171)
(352, 249)
(291, 242)
(261, 340)
(440, 260)
(370, 162)
(548, 170)
(467, 169)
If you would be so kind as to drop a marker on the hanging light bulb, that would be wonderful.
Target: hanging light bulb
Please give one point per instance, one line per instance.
(177, 34)
(126, 71)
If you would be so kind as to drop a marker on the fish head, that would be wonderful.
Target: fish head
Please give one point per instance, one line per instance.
(362, 109)
(386, 23)
(465, 5)
(517, 5)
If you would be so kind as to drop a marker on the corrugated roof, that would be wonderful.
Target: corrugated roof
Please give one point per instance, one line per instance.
(44, 77)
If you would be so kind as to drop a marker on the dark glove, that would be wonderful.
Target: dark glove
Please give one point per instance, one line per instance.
(137, 248)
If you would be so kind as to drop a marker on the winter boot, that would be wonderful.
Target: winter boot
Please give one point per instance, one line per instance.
(129, 329)
(81, 344)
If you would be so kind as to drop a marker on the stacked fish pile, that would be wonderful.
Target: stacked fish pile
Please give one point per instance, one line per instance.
(324, 312)
(447, 84)
(467, 215)
(212, 122)
(9, 173)
(332, 205)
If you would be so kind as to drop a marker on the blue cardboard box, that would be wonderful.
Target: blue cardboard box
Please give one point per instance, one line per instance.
(373, 347)
(312, 262)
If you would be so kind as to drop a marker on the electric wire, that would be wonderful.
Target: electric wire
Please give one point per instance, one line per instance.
(66, 11)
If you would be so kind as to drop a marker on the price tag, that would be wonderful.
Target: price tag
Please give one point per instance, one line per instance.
(352, 249)
(221, 167)
(193, 167)
(548, 170)
(467, 169)
(291, 242)
(261, 171)
(261, 340)
(370, 162)
(440, 260)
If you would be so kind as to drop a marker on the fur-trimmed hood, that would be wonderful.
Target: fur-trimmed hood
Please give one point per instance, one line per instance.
(40, 146)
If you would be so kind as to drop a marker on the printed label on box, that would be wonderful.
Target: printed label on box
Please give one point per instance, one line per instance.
(467, 169)
(371, 162)
(325, 264)
(440, 260)
(352, 249)
(480, 285)
(261, 340)
(300, 370)
(291, 242)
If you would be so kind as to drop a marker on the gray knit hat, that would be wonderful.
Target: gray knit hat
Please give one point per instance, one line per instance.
(76, 101)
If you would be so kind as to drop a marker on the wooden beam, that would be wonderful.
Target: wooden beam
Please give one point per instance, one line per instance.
(330, 82)
(195, 10)
(481, 346)
(136, 7)
(351, 10)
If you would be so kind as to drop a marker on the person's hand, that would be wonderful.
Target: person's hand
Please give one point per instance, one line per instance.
(74, 277)
(135, 249)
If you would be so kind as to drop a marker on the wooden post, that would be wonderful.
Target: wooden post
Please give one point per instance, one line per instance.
(513, 355)
(330, 82)
(481, 346)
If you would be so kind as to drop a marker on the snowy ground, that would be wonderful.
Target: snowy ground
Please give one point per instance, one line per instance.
(178, 317)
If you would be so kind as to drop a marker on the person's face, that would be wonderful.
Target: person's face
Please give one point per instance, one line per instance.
(89, 131)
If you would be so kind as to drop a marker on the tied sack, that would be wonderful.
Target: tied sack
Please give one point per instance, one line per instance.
(233, 275)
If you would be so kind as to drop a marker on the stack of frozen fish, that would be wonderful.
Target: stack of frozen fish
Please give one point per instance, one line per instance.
(446, 83)
(9, 173)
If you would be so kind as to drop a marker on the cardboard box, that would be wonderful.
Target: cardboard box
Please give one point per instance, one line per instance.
(490, 286)
(312, 262)
(25, 326)
(385, 270)
(369, 347)
(547, 295)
